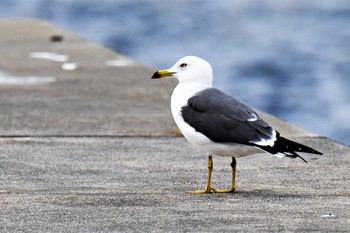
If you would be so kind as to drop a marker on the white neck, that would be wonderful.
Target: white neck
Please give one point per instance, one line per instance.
(181, 94)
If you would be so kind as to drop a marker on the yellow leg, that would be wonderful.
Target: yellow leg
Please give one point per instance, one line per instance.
(207, 189)
(233, 185)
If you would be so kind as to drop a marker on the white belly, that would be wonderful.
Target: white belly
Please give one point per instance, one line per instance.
(204, 143)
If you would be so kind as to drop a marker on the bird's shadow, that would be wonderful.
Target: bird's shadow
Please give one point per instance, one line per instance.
(270, 193)
(264, 194)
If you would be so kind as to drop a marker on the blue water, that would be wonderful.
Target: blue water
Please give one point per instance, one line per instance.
(289, 58)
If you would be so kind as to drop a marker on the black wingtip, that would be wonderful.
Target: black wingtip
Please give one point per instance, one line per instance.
(297, 147)
(317, 152)
(309, 150)
(302, 158)
(289, 148)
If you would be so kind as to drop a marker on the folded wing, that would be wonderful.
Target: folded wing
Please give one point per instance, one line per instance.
(225, 119)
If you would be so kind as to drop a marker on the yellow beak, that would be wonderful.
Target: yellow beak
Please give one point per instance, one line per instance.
(162, 74)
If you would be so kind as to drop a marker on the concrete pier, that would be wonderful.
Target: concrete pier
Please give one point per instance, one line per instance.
(88, 144)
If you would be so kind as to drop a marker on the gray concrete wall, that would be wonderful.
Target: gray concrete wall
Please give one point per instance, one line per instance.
(94, 149)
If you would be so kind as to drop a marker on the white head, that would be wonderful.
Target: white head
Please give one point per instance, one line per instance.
(189, 69)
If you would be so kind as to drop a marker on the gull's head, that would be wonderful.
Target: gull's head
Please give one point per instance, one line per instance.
(188, 69)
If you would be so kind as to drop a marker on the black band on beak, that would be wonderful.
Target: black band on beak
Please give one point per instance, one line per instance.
(156, 75)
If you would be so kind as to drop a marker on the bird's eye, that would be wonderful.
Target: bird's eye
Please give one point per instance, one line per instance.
(183, 65)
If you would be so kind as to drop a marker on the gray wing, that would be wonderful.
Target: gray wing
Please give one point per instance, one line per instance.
(225, 119)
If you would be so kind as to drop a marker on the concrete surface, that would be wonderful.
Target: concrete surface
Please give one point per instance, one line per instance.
(94, 99)
(94, 151)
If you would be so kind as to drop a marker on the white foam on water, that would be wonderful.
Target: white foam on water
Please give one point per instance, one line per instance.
(49, 56)
(7, 79)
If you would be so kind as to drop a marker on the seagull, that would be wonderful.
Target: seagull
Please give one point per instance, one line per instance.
(218, 123)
